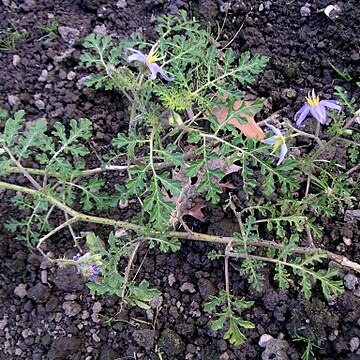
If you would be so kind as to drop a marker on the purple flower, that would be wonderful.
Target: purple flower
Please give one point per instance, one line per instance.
(88, 265)
(317, 109)
(278, 141)
(150, 61)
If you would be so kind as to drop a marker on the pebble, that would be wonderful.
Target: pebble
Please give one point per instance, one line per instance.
(171, 279)
(71, 308)
(187, 287)
(354, 344)
(156, 302)
(16, 60)
(3, 324)
(97, 307)
(20, 290)
(96, 338)
(85, 315)
(44, 75)
(100, 29)
(70, 297)
(14, 100)
(121, 4)
(39, 104)
(351, 281)
(305, 10)
(69, 34)
(71, 75)
(347, 241)
(264, 339)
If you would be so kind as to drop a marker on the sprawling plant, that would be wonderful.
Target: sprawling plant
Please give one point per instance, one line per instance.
(189, 128)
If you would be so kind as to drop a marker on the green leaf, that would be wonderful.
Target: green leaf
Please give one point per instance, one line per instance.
(219, 323)
(173, 186)
(120, 141)
(13, 126)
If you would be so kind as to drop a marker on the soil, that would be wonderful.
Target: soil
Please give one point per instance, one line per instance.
(47, 312)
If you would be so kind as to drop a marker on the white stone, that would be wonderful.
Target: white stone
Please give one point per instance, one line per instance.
(20, 290)
(16, 60)
(264, 339)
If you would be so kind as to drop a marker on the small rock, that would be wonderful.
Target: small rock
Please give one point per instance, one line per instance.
(305, 10)
(39, 293)
(16, 60)
(187, 287)
(354, 344)
(3, 324)
(171, 279)
(351, 281)
(71, 75)
(96, 337)
(332, 11)
(224, 356)
(44, 75)
(206, 288)
(347, 241)
(145, 338)
(276, 349)
(14, 101)
(171, 343)
(70, 297)
(352, 215)
(69, 34)
(156, 302)
(71, 308)
(39, 104)
(121, 4)
(67, 279)
(100, 29)
(264, 339)
(20, 290)
(97, 307)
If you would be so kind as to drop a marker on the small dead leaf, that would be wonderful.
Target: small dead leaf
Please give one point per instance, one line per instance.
(250, 130)
(185, 201)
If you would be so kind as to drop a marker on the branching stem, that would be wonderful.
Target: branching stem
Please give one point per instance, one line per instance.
(225, 240)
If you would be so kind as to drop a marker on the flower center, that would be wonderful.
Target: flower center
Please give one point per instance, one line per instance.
(312, 99)
(152, 57)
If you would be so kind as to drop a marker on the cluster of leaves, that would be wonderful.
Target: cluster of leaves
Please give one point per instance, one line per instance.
(113, 282)
(230, 308)
(59, 169)
(284, 259)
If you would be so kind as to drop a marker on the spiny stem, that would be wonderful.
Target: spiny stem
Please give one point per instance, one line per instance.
(23, 170)
(225, 240)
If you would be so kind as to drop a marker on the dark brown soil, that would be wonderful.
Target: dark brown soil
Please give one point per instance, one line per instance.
(47, 312)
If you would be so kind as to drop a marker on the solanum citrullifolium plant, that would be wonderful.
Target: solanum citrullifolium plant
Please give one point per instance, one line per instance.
(177, 156)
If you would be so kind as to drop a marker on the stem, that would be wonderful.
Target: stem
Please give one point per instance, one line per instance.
(23, 170)
(128, 267)
(331, 141)
(225, 240)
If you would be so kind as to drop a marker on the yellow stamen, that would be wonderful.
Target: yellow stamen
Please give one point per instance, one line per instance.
(312, 99)
(152, 57)
(280, 142)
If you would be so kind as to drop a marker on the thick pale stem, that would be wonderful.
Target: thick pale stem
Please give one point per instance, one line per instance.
(225, 240)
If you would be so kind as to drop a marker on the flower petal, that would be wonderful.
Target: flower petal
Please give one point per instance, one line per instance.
(271, 140)
(283, 151)
(137, 57)
(273, 129)
(332, 104)
(301, 115)
(319, 113)
(155, 69)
